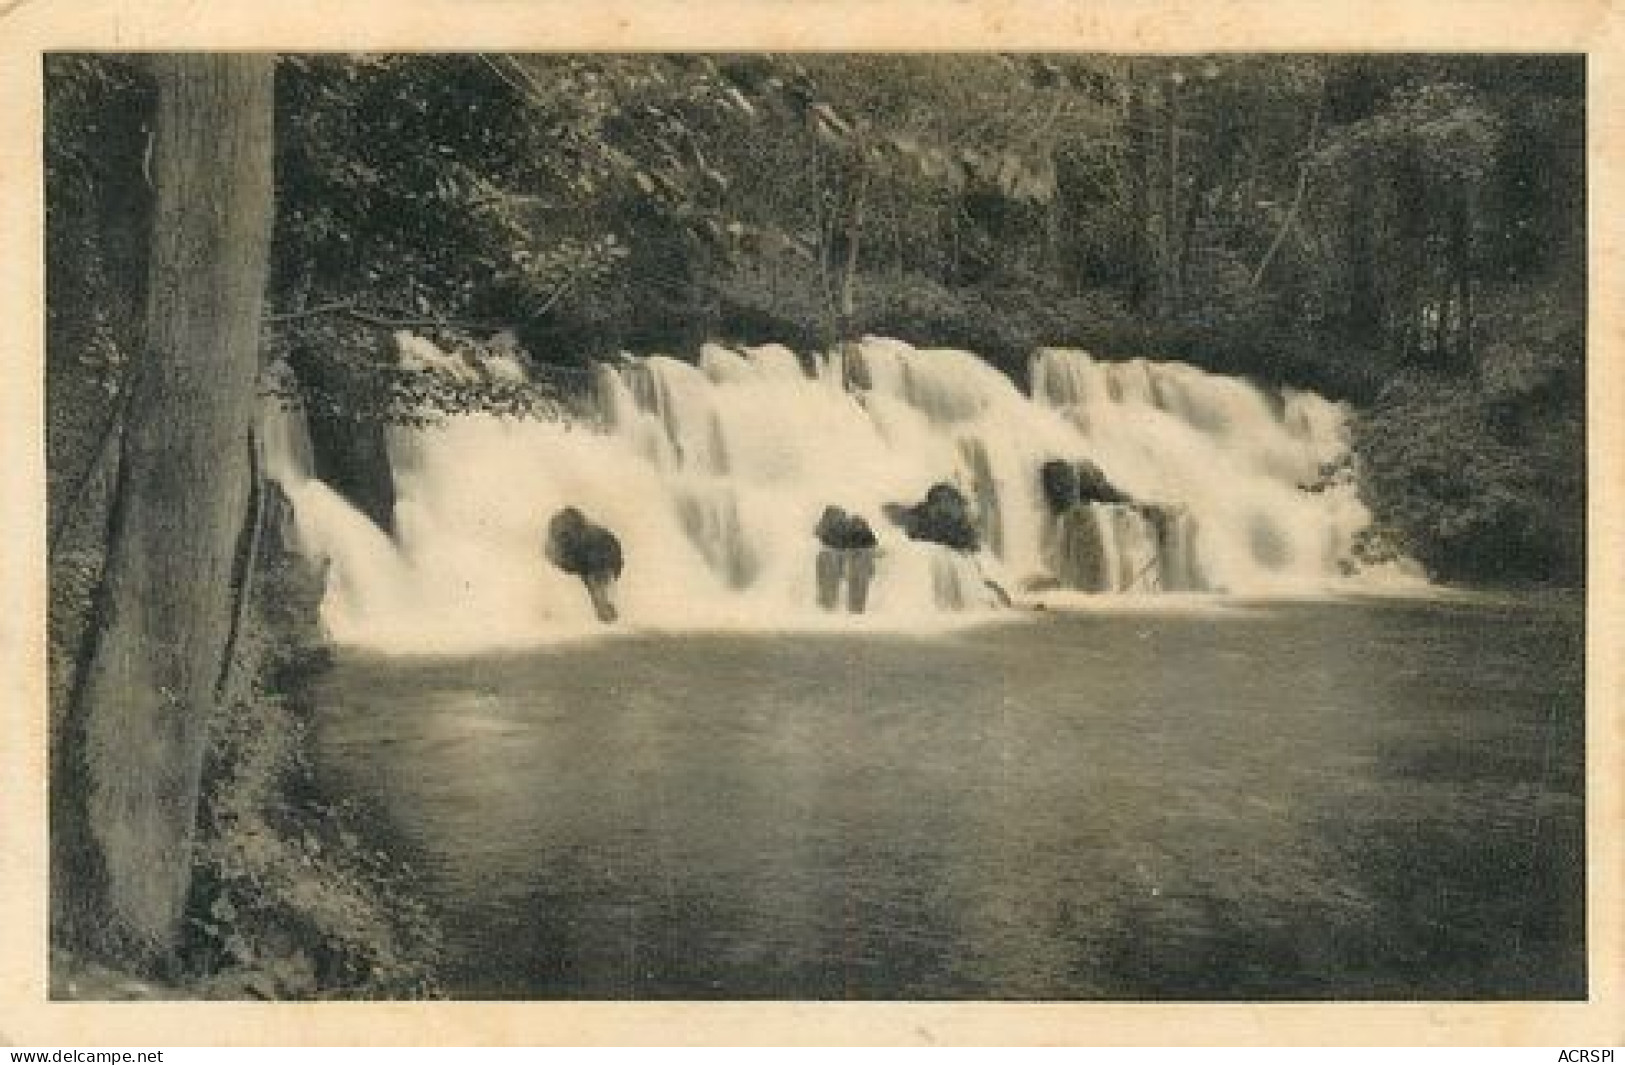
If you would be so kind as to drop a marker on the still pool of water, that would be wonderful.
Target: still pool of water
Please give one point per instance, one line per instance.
(1290, 800)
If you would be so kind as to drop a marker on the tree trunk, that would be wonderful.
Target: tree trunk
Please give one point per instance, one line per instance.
(1169, 272)
(1461, 277)
(849, 273)
(824, 224)
(1363, 313)
(1299, 189)
(1190, 225)
(127, 768)
(1142, 250)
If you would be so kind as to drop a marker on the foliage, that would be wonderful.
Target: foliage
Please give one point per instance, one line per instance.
(260, 876)
(289, 898)
(96, 191)
(1472, 488)
(1405, 231)
(1323, 221)
(358, 373)
(96, 197)
(417, 193)
(1444, 128)
(1484, 479)
(401, 182)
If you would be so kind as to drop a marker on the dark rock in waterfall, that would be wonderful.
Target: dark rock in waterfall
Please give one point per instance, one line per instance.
(580, 547)
(1093, 487)
(842, 531)
(831, 527)
(847, 554)
(591, 552)
(1068, 483)
(1076, 544)
(351, 455)
(1060, 482)
(1083, 548)
(944, 518)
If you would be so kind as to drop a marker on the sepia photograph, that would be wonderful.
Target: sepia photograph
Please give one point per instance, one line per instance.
(1047, 526)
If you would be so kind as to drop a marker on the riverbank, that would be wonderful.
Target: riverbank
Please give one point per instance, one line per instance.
(288, 900)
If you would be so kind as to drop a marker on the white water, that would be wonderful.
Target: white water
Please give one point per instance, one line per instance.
(714, 476)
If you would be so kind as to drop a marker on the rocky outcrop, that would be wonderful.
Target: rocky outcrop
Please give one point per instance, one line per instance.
(591, 552)
(846, 555)
(943, 518)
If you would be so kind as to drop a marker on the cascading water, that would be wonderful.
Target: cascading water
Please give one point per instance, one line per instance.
(715, 475)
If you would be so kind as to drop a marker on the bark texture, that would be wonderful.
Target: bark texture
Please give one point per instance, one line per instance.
(125, 786)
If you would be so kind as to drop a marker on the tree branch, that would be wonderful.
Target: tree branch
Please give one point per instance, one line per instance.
(312, 312)
(386, 318)
(384, 322)
(1297, 196)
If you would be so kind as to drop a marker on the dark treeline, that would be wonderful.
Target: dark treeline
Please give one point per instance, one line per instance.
(1407, 232)
(1404, 232)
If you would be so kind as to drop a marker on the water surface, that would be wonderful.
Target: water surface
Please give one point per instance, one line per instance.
(1297, 800)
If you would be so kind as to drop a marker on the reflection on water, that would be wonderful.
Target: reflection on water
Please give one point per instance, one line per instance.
(1296, 800)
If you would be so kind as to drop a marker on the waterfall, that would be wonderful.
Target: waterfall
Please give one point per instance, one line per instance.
(715, 474)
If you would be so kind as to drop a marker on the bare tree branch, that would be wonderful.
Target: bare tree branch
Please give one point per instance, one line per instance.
(1297, 196)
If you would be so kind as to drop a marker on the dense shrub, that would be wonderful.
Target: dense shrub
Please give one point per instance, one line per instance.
(1473, 489)
(1482, 473)
(1245, 338)
(290, 899)
(922, 312)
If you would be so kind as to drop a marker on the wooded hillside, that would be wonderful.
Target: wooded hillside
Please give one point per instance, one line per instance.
(1405, 232)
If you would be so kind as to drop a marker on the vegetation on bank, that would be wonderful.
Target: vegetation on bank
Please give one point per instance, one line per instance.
(288, 897)
(1406, 233)
(192, 848)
